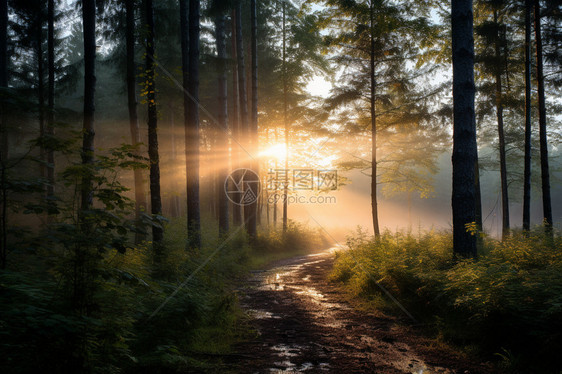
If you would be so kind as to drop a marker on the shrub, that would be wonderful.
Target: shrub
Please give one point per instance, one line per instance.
(508, 300)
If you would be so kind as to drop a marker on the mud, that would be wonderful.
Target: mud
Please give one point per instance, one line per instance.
(305, 323)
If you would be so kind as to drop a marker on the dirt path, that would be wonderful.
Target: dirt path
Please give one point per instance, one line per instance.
(305, 324)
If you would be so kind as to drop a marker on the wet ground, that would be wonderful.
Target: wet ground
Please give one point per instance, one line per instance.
(305, 323)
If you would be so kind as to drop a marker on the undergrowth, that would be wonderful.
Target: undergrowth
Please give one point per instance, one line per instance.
(506, 305)
(178, 315)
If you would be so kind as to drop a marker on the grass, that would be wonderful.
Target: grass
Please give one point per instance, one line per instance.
(505, 306)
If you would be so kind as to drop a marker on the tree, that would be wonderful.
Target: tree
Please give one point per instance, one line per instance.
(464, 129)
(254, 112)
(528, 129)
(545, 176)
(140, 200)
(89, 35)
(50, 130)
(222, 139)
(4, 44)
(372, 102)
(493, 58)
(244, 125)
(379, 39)
(285, 121)
(155, 198)
(235, 117)
(3, 129)
(191, 122)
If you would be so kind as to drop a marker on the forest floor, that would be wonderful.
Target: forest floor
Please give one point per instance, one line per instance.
(305, 323)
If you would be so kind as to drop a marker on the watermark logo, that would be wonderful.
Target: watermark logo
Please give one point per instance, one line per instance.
(300, 199)
(302, 179)
(242, 187)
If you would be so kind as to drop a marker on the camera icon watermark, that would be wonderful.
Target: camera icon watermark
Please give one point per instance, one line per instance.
(242, 187)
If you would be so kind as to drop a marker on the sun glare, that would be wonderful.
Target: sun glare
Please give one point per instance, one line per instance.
(276, 151)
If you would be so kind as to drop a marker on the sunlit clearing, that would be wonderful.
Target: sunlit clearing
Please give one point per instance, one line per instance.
(277, 151)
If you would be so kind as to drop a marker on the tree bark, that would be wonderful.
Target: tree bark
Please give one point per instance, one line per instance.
(192, 128)
(140, 199)
(528, 129)
(464, 129)
(244, 127)
(235, 120)
(222, 138)
(3, 132)
(372, 99)
(4, 60)
(154, 158)
(545, 177)
(89, 30)
(40, 86)
(3, 43)
(501, 138)
(286, 125)
(50, 130)
(252, 223)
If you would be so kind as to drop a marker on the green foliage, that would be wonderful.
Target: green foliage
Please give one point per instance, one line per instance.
(299, 238)
(508, 301)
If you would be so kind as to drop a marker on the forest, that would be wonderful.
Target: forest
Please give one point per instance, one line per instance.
(236, 186)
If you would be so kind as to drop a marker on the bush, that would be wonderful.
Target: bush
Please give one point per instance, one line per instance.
(508, 301)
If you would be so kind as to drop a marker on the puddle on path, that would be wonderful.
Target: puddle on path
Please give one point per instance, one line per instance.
(262, 314)
(288, 352)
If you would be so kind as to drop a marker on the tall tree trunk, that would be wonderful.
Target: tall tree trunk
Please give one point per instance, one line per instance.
(3, 131)
(222, 138)
(3, 43)
(41, 86)
(501, 138)
(253, 208)
(4, 61)
(235, 120)
(527, 171)
(50, 130)
(286, 124)
(89, 29)
(243, 107)
(192, 128)
(464, 129)
(154, 158)
(80, 293)
(374, 203)
(545, 177)
(140, 199)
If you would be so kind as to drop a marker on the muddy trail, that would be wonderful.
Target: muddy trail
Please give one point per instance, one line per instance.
(304, 323)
